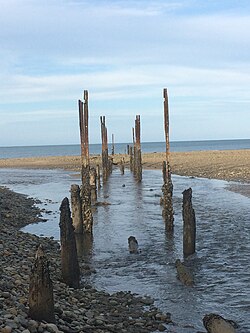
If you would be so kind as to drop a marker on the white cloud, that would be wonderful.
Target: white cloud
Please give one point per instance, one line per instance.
(123, 52)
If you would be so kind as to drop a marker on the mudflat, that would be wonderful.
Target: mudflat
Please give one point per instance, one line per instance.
(231, 165)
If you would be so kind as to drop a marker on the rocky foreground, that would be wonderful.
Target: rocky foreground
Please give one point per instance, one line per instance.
(82, 310)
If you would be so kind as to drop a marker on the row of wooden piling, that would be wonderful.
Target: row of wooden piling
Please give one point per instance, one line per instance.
(41, 302)
(88, 195)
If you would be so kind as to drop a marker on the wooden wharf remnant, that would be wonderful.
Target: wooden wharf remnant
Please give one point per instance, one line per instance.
(189, 224)
(113, 145)
(69, 260)
(41, 299)
(167, 188)
(87, 217)
(106, 162)
(76, 206)
(137, 149)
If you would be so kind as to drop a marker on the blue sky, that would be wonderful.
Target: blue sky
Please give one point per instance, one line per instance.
(124, 53)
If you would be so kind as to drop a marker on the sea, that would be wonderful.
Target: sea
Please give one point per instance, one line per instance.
(121, 148)
(220, 266)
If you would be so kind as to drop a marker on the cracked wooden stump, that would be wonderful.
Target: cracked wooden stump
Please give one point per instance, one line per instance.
(76, 206)
(69, 260)
(41, 299)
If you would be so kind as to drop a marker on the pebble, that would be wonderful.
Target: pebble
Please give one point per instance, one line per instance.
(76, 311)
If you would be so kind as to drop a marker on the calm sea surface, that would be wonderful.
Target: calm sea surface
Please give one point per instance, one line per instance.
(147, 147)
(220, 266)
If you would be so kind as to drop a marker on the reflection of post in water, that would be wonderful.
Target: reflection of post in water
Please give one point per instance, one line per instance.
(189, 223)
(84, 245)
(167, 188)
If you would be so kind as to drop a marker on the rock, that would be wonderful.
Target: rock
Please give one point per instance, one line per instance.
(161, 328)
(6, 329)
(133, 245)
(217, 324)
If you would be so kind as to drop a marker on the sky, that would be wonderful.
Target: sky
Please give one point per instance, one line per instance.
(124, 53)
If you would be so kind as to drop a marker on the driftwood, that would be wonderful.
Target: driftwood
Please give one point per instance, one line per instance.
(41, 299)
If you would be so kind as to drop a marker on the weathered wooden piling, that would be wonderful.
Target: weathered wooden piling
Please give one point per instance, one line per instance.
(128, 149)
(86, 189)
(76, 207)
(106, 166)
(84, 245)
(41, 299)
(92, 182)
(98, 176)
(189, 223)
(131, 159)
(69, 260)
(137, 150)
(113, 145)
(167, 188)
(122, 165)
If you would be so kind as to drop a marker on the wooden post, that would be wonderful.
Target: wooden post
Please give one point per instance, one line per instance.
(70, 266)
(98, 176)
(131, 159)
(86, 189)
(128, 149)
(41, 300)
(189, 223)
(92, 181)
(76, 206)
(106, 168)
(137, 150)
(167, 188)
(113, 145)
(122, 166)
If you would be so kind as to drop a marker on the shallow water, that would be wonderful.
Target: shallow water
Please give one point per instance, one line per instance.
(221, 264)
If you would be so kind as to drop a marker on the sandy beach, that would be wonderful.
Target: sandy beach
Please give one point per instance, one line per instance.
(231, 165)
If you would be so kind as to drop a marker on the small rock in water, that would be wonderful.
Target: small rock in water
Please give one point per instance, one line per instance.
(217, 324)
(132, 244)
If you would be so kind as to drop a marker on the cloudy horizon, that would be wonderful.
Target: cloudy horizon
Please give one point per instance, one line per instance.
(124, 53)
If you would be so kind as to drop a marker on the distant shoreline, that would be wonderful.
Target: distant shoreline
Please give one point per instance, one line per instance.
(230, 165)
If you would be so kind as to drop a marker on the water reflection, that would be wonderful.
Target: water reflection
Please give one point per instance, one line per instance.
(220, 266)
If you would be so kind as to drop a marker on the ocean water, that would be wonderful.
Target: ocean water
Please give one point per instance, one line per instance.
(147, 147)
(220, 266)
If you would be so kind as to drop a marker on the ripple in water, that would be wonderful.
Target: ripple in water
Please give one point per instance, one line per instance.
(220, 266)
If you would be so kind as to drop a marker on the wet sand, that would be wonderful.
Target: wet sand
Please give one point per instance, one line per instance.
(230, 165)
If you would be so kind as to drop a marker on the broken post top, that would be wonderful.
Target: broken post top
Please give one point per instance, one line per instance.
(86, 95)
(165, 93)
(84, 135)
(166, 122)
(138, 131)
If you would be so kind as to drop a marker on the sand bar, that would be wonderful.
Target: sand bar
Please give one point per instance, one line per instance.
(231, 165)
